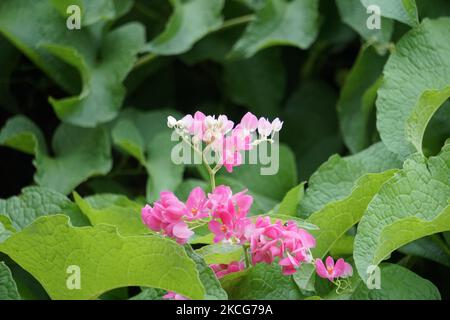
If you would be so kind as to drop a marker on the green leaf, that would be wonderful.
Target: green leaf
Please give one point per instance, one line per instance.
(214, 290)
(335, 179)
(257, 83)
(267, 189)
(291, 200)
(221, 253)
(145, 136)
(411, 205)
(421, 115)
(280, 22)
(356, 104)
(261, 282)
(149, 294)
(336, 218)
(8, 288)
(68, 55)
(113, 209)
(22, 134)
(101, 82)
(355, 15)
(397, 283)
(191, 20)
(106, 260)
(126, 136)
(414, 86)
(94, 11)
(35, 202)
(431, 248)
(404, 11)
(79, 153)
(6, 228)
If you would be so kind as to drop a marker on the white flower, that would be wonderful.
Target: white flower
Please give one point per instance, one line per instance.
(277, 125)
(171, 122)
(264, 127)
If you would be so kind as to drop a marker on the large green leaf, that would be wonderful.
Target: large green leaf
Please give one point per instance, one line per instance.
(354, 14)
(356, 104)
(221, 253)
(105, 259)
(280, 22)
(416, 82)
(336, 218)
(401, 10)
(289, 204)
(335, 179)
(411, 205)
(79, 153)
(113, 209)
(257, 83)
(62, 53)
(8, 288)
(261, 282)
(145, 136)
(35, 202)
(213, 289)
(397, 283)
(191, 20)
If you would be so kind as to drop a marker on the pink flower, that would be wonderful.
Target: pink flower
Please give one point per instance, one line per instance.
(229, 214)
(166, 216)
(332, 271)
(275, 240)
(231, 156)
(223, 269)
(174, 296)
(197, 127)
(228, 227)
(249, 122)
(197, 205)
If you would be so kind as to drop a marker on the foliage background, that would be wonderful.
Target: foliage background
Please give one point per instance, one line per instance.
(311, 63)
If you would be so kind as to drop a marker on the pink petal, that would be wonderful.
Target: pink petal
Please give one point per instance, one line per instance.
(320, 269)
(215, 227)
(249, 122)
(307, 239)
(182, 231)
(329, 262)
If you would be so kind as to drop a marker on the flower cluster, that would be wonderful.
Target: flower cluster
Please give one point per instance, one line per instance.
(225, 138)
(225, 213)
(287, 242)
(170, 216)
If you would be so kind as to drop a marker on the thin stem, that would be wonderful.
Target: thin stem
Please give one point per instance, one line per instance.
(247, 258)
(144, 60)
(212, 178)
(236, 22)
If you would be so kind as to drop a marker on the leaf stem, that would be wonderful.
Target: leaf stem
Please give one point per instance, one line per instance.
(236, 22)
